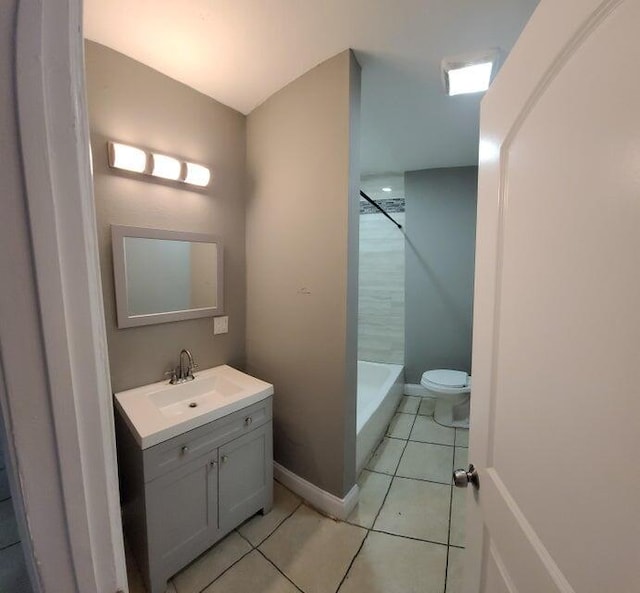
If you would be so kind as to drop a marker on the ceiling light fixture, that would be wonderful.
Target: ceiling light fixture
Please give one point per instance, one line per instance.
(138, 160)
(386, 189)
(471, 73)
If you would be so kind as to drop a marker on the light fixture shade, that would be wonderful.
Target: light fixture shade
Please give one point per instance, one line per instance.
(128, 158)
(471, 73)
(197, 175)
(470, 79)
(166, 167)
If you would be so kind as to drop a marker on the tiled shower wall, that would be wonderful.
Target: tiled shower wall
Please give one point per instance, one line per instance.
(381, 288)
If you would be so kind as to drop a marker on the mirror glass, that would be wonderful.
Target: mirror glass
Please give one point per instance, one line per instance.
(165, 275)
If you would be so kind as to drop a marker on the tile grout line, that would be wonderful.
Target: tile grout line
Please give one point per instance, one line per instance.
(252, 548)
(450, 494)
(223, 572)
(451, 485)
(264, 539)
(387, 436)
(395, 471)
(172, 579)
(428, 442)
(346, 573)
(410, 440)
(396, 476)
(399, 411)
(370, 529)
(409, 537)
(393, 476)
(278, 569)
(409, 477)
(302, 502)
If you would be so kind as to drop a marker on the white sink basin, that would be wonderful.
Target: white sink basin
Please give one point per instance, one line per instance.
(160, 411)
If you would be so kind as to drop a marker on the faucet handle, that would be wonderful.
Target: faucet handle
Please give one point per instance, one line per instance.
(192, 367)
(173, 376)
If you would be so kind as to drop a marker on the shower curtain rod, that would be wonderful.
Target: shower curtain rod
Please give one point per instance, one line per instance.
(366, 197)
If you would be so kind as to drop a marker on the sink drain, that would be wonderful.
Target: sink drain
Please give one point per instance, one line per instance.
(193, 405)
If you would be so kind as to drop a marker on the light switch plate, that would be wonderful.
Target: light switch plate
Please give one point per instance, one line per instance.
(221, 325)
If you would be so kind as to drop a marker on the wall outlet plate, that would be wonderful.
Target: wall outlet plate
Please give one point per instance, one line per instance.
(221, 324)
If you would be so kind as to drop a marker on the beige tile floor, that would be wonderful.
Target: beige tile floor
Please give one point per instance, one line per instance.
(406, 535)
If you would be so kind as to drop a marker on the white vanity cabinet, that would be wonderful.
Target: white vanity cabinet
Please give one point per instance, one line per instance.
(182, 495)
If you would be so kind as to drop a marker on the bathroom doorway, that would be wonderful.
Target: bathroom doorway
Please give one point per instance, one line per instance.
(405, 458)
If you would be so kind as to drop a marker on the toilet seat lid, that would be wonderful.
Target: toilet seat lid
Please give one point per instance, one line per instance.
(446, 378)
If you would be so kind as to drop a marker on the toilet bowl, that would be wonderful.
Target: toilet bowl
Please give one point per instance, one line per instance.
(452, 390)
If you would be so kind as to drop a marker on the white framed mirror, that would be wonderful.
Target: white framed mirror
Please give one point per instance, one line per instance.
(163, 276)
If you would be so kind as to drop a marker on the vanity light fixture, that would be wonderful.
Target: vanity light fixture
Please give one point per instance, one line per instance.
(129, 158)
(197, 175)
(166, 167)
(470, 73)
(137, 160)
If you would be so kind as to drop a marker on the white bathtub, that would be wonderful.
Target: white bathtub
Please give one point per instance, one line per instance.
(380, 388)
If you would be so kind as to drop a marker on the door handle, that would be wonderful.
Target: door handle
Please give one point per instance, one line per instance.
(462, 478)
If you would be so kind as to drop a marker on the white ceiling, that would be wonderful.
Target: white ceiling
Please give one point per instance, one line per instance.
(372, 186)
(242, 51)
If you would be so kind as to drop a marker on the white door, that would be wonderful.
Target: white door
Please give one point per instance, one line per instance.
(555, 425)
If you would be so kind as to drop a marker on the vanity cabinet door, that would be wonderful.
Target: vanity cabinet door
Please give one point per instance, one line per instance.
(182, 519)
(245, 476)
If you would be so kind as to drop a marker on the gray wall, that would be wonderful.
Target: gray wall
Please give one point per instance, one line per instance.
(381, 295)
(132, 103)
(440, 251)
(302, 249)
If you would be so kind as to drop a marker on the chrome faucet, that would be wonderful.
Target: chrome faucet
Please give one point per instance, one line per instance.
(183, 372)
(186, 371)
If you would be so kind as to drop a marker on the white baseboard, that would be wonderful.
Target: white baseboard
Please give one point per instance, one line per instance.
(416, 390)
(325, 502)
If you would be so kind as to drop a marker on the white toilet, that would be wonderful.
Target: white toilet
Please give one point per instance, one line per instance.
(452, 390)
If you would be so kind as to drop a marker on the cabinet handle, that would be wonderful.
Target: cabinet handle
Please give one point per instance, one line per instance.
(224, 459)
(213, 463)
(184, 450)
(248, 420)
